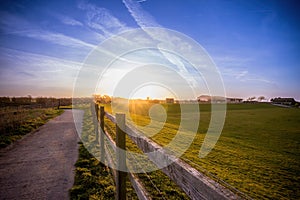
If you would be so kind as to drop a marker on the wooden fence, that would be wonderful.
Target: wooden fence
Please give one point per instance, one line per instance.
(194, 183)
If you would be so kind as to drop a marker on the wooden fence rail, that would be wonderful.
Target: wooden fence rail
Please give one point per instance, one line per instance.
(194, 183)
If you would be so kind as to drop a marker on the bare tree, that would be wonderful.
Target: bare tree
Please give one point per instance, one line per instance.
(261, 98)
(251, 98)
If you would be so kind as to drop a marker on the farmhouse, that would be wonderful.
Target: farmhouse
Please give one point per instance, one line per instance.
(234, 100)
(204, 98)
(170, 100)
(213, 99)
(284, 101)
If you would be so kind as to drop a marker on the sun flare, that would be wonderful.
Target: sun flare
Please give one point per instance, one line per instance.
(151, 91)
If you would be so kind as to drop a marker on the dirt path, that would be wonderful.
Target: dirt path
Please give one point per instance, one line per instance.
(41, 166)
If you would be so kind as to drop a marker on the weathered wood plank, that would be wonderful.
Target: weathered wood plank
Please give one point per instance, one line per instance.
(139, 187)
(195, 184)
(110, 161)
(111, 117)
(110, 142)
(136, 183)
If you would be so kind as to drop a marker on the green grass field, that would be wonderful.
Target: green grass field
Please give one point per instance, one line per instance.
(258, 152)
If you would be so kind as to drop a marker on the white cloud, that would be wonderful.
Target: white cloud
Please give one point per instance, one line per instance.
(13, 24)
(38, 73)
(70, 21)
(230, 61)
(16, 60)
(241, 74)
(171, 42)
(101, 19)
(142, 18)
(55, 38)
(244, 75)
(23, 72)
(236, 67)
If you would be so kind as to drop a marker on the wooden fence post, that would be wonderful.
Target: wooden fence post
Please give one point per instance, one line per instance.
(121, 157)
(96, 111)
(102, 153)
(58, 104)
(96, 121)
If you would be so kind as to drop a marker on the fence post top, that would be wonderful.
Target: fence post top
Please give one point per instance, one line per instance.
(120, 117)
(120, 120)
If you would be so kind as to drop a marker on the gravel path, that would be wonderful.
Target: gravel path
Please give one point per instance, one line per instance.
(41, 166)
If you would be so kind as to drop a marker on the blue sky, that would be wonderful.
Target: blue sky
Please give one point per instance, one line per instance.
(255, 44)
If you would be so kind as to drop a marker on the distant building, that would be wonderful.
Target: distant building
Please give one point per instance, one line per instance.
(284, 101)
(204, 98)
(155, 101)
(170, 100)
(218, 99)
(211, 99)
(234, 100)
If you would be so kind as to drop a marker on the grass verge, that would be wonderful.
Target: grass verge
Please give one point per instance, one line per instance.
(14, 124)
(94, 180)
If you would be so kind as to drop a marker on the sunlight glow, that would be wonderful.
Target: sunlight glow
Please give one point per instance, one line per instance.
(151, 91)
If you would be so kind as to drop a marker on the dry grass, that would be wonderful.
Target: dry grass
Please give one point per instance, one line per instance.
(14, 122)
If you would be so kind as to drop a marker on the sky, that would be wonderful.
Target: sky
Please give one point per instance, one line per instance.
(255, 45)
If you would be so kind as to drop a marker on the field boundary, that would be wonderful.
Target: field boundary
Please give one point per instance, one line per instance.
(195, 184)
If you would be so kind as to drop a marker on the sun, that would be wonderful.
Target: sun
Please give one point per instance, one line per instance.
(151, 91)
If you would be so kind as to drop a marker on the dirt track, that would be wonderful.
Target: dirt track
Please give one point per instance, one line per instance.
(41, 166)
